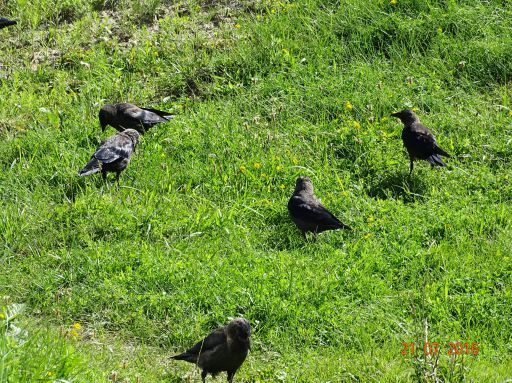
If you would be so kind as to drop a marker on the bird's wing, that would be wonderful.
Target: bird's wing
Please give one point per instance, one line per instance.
(165, 115)
(422, 140)
(213, 340)
(114, 148)
(138, 116)
(425, 142)
(315, 213)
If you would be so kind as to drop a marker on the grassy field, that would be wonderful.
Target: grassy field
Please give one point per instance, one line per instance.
(101, 284)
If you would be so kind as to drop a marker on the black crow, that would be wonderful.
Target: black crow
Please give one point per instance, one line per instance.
(419, 142)
(128, 116)
(113, 155)
(225, 349)
(308, 213)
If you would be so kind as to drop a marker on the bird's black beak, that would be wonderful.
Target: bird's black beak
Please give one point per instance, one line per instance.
(103, 119)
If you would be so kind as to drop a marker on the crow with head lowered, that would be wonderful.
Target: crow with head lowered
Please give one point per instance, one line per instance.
(113, 155)
(128, 116)
(225, 349)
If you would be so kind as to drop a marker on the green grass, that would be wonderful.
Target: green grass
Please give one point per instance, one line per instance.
(198, 231)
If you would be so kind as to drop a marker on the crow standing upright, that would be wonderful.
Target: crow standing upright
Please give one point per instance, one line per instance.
(6, 22)
(419, 142)
(225, 349)
(308, 213)
(128, 116)
(113, 155)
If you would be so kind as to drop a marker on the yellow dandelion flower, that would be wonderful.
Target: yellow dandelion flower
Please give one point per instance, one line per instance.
(384, 134)
(73, 333)
(393, 2)
(243, 169)
(237, 26)
(77, 326)
(348, 105)
(384, 119)
(264, 175)
(356, 124)
(279, 168)
(257, 165)
(414, 110)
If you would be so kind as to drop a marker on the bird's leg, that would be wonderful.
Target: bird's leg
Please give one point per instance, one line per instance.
(309, 238)
(231, 375)
(203, 375)
(104, 176)
(411, 166)
(118, 174)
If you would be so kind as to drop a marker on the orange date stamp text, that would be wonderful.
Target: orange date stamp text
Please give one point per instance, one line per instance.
(435, 348)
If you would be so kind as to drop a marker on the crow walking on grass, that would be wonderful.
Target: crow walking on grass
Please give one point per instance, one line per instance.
(128, 116)
(225, 349)
(6, 22)
(419, 142)
(308, 213)
(113, 155)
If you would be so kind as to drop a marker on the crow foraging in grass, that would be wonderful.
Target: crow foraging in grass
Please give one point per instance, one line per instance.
(419, 142)
(225, 349)
(113, 155)
(6, 22)
(128, 116)
(308, 213)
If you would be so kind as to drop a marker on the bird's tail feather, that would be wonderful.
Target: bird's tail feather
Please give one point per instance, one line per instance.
(345, 227)
(93, 166)
(339, 225)
(186, 357)
(6, 22)
(435, 160)
(441, 152)
(161, 113)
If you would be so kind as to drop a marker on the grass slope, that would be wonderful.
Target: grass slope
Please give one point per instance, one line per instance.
(198, 230)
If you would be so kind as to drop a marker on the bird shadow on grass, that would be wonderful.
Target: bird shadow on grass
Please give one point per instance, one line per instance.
(76, 186)
(72, 189)
(282, 233)
(409, 188)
